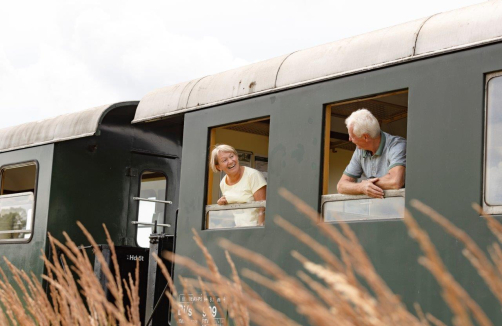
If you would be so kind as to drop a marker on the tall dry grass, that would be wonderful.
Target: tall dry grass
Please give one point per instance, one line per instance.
(76, 295)
(345, 289)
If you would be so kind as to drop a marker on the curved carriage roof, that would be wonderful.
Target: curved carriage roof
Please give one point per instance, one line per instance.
(450, 31)
(64, 127)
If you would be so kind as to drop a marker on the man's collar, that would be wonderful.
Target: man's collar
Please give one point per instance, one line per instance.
(380, 147)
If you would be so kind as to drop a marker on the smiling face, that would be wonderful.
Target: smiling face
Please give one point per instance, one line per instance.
(228, 162)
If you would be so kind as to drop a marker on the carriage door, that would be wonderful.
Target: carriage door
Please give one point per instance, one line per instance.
(151, 198)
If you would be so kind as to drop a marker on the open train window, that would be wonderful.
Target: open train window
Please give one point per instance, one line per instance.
(391, 111)
(492, 202)
(152, 205)
(17, 201)
(250, 139)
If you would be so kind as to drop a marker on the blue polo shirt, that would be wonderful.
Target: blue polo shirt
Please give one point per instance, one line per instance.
(391, 152)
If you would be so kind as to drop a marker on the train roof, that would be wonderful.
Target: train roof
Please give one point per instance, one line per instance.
(437, 34)
(441, 33)
(64, 127)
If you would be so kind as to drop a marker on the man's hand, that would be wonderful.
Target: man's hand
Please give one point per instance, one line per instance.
(369, 188)
(348, 186)
(222, 201)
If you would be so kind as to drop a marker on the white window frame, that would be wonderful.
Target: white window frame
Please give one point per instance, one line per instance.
(160, 201)
(31, 231)
(489, 209)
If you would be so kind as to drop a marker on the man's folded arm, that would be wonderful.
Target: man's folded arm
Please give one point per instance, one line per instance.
(348, 186)
(394, 179)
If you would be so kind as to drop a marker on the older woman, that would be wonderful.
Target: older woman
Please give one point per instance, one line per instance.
(240, 185)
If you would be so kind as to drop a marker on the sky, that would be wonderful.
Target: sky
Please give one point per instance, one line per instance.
(58, 57)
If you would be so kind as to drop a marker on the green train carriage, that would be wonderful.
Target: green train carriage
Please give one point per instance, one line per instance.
(435, 81)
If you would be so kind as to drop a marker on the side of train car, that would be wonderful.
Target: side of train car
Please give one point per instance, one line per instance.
(436, 81)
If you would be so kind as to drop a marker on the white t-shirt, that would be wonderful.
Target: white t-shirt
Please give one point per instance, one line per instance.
(242, 192)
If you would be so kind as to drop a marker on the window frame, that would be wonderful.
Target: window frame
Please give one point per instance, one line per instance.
(327, 197)
(487, 208)
(209, 180)
(35, 191)
(139, 201)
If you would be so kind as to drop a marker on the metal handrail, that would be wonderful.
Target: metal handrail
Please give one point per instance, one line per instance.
(153, 200)
(15, 231)
(149, 224)
(253, 204)
(19, 194)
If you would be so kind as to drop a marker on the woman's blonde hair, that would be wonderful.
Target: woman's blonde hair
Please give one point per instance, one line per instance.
(213, 159)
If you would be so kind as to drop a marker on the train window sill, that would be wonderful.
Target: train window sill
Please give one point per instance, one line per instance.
(236, 216)
(16, 217)
(350, 208)
(492, 210)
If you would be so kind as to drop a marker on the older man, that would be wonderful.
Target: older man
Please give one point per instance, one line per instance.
(379, 159)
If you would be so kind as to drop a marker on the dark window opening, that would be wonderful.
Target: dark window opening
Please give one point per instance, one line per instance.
(391, 111)
(250, 140)
(17, 201)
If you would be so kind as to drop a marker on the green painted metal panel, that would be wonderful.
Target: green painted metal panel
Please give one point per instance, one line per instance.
(96, 177)
(90, 184)
(26, 256)
(445, 139)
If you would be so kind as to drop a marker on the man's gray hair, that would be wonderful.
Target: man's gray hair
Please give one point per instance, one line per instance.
(213, 158)
(363, 122)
